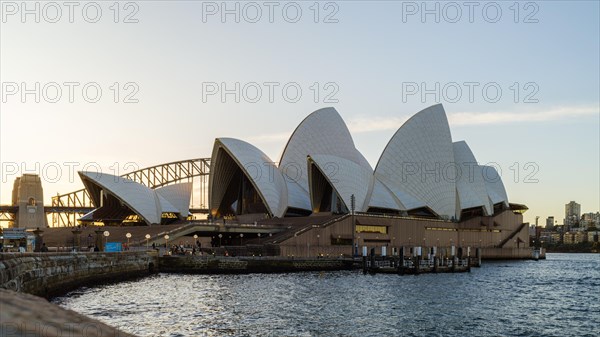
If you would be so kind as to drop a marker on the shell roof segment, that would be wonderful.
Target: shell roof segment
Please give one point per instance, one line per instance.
(323, 132)
(417, 159)
(256, 165)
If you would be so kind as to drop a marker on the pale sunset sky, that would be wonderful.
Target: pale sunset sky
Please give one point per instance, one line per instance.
(520, 84)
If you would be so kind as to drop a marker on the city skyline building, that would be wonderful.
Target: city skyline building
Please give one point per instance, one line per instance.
(550, 222)
(590, 219)
(572, 214)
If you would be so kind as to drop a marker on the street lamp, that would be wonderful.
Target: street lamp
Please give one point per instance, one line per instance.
(258, 238)
(128, 236)
(220, 236)
(166, 241)
(106, 234)
(147, 239)
(242, 239)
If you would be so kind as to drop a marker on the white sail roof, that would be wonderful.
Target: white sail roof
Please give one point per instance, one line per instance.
(470, 184)
(165, 205)
(382, 197)
(403, 198)
(178, 195)
(346, 177)
(417, 169)
(494, 185)
(139, 198)
(256, 165)
(149, 204)
(323, 132)
(415, 161)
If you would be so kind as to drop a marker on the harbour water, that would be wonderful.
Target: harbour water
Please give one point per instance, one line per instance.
(556, 297)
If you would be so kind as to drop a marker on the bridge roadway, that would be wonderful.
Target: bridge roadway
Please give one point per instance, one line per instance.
(8, 209)
(48, 209)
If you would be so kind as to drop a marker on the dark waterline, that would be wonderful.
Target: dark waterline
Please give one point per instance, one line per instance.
(556, 297)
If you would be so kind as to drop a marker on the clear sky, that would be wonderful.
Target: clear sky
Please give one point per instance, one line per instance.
(370, 60)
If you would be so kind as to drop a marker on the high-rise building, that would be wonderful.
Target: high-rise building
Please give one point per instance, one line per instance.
(572, 214)
(590, 220)
(550, 222)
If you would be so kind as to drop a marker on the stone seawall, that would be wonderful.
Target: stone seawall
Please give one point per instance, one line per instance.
(52, 274)
(241, 265)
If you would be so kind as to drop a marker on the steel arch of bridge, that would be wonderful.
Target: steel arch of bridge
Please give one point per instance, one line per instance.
(191, 170)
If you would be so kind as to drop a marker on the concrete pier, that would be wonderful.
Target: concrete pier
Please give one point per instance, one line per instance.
(416, 265)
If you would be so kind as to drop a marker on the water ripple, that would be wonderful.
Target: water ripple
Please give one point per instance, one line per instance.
(556, 297)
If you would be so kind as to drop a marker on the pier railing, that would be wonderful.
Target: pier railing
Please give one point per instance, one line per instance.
(418, 265)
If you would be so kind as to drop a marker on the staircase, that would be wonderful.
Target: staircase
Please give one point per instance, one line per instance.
(512, 235)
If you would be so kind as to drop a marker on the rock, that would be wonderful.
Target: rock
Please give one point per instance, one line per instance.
(24, 315)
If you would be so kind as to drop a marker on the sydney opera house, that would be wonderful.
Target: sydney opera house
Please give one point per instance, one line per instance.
(325, 198)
